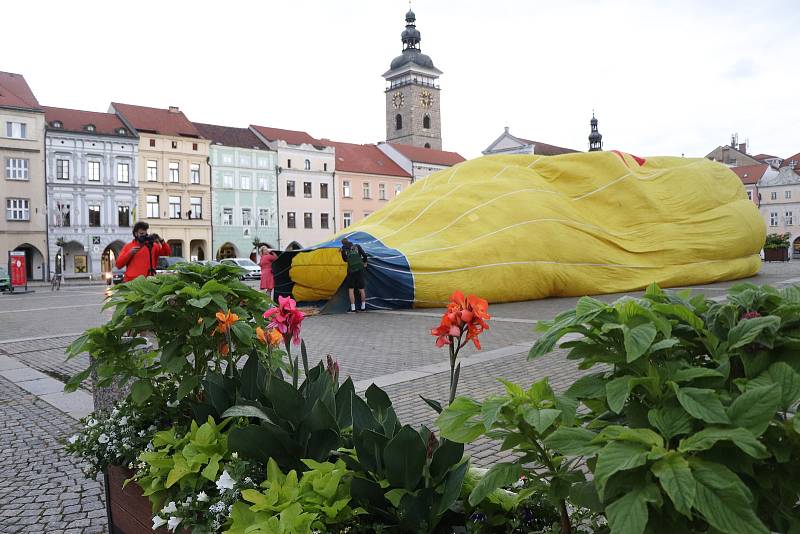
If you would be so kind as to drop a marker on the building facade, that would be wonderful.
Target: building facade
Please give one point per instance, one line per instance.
(244, 194)
(91, 164)
(174, 185)
(367, 180)
(507, 143)
(750, 176)
(306, 188)
(780, 205)
(733, 155)
(419, 162)
(22, 189)
(413, 95)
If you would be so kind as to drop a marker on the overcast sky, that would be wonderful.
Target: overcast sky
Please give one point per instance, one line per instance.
(664, 77)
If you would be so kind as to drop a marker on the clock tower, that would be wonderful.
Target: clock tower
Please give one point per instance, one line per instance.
(413, 114)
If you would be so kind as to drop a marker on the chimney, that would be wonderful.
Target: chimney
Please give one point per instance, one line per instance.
(174, 109)
(506, 129)
(743, 148)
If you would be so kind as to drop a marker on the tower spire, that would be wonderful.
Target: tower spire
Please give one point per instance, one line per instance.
(595, 138)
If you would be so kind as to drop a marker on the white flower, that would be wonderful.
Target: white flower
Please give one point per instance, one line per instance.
(172, 404)
(91, 423)
(217, 507)
(123, 420)
(188, 500)
(225, 481)
(173, 522)
(141, 433)
(170, 508)
(73, 439)
(235, 455)
(103, 439)
(202, 497)
(158, 522)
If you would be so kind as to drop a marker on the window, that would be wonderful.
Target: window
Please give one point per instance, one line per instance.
(307, 165)
(263, 217)
(94, 215)
(788, 218)
(90, 128)
(262, 183)
(365, 189)
(62, 169)
(124, 216)
(196, 205)
(93, 171)
(382, 191)
(787, 195)
(227, 216)
(17, 169)
(64, 213)
(773, 218)
(227, 181)
(290, 221)
(323, 190)
(398, 122)
(152, 207)
(427, 145)
(325, 167)
(397, 189)
(307, 189)
(194, 147)
(426, 122)
(289, 188)
(152, 170)
(175, 144)
(323, 221)
(308, 220)
(174, 172)
(773, 195)
(347, 219)
(174, 207)
(247, 217)
(246, 183)
(749, 195)
(152, 142)
(18, 209)
(194, 173)
(346, 189)
(123, 173)
(17, 130)
(288, 164)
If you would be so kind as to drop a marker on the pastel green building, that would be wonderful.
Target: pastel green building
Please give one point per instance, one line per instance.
(244, 201)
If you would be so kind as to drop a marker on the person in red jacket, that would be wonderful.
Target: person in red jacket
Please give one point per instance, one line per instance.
(139, 257)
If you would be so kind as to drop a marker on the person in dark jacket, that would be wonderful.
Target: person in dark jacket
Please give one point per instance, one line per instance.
(356, 260)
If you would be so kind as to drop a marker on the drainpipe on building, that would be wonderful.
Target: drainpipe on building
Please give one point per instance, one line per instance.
(278, 202)
(335, 194)
(46, 274)
(210, 253)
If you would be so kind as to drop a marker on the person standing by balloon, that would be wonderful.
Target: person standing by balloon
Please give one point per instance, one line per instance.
(265, 261)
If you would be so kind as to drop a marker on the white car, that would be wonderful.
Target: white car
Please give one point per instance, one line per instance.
(253, 270)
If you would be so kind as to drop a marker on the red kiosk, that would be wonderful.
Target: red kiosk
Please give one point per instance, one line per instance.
(18, 270)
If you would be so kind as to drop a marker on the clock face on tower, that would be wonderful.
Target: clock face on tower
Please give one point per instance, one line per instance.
(426, 98)
(397, 100)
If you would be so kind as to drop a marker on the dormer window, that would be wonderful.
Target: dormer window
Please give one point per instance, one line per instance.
(58, 124)
(90, 127)
(122, 131)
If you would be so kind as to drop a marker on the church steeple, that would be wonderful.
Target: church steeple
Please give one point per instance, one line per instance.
(411, 36)
(595, 138)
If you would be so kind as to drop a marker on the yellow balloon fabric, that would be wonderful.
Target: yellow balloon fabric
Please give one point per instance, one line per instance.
(521, 227)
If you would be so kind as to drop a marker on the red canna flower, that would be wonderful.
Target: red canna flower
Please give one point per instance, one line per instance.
(463, 315)
(286, 319)
(751, 315)
(225, 320)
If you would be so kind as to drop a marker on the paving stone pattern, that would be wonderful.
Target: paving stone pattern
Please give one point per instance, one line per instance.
(47, 356)
(42, 489)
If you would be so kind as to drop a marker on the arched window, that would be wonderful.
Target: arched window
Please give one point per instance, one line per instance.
(398, 122)
(308, 165)
(426, 122)
(427, 145)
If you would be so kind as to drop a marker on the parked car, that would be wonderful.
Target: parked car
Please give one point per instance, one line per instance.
(114, 276)
(5, 279)
(253, 271)
(165, 264)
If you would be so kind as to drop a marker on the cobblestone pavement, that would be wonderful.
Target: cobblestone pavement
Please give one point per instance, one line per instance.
(43, 490)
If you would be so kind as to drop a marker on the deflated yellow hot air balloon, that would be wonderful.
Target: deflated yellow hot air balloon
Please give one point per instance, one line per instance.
(520, 227)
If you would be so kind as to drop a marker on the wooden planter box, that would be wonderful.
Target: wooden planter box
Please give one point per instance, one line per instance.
(129, 512)
(776, 254)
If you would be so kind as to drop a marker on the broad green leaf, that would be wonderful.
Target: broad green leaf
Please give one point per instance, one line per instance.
(628, 514)
(671, 421)
(141, 391)
(459, 421)
(681, 312)
(789, 381)
(246, 411)
(540, 391)
(540, 419)
(796, 423)
(617, 392)
(446, 455)
(490, 410)
(692, 373)
(707, 438)
(664, 344)
(453, 484)
(405, 457)
(747, 330)
(645, 436)
(591, 386)
(587, 306)
(502, 474)
(615, 457)
(187, 385)
(723, 500)
(702, 404)
(573, 441)
(638, 340)
(202, 302)
(755, 408)
(676, 478)
(568, 407)
(513, 389)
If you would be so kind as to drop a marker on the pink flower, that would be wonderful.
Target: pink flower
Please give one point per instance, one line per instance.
(751, 315)
(286, 319)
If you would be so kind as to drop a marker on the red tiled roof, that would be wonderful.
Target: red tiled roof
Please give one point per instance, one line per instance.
(795, 158)
(15, 92)
(367, 159)
(293, 137)
(157, 120)
(229, 136)
(74, 120)
(543, 149)
(750, 174)
(762, 157)
(428, 155)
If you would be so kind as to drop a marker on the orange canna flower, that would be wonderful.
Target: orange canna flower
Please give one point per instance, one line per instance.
(224, 349)
(274, 337)
(463, 314)
(224, 321)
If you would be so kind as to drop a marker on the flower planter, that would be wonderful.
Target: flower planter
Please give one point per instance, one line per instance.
(776, 254)
(129, 512)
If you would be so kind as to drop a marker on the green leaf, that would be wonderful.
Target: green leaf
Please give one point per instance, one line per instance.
(723, 500)
(405, 457)
(707, 438)
(789, 381)
(490, 410)
(502, 474)
(513, 389)
(617, 392)
(747, 330)
(692, 373)
(637, 340)
(436, 405)
(645, 436)
(446, 455)
(587, 306)
(187, 385)
(628, 514)
(615, 457)
(702, 404)
(681, 312)
(591, 386)
(755, 408)
(572, 441)
(540, 419)
(676, 478)
(459, 421)
(141, 391)
(671, 421)
(452, 487)
(202, 302)
(246, 411)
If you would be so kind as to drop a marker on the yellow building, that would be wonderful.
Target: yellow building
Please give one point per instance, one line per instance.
(174, 185)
